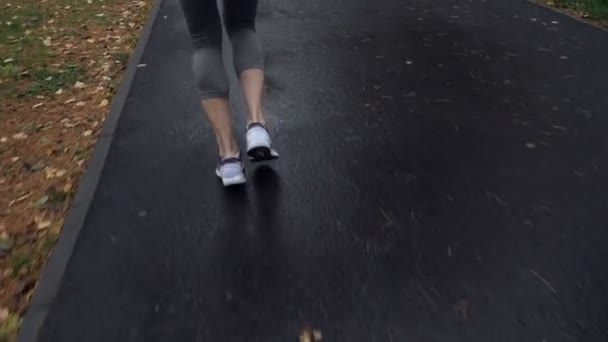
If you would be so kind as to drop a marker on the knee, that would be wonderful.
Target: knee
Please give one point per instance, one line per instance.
(247, 50)
(209, 73)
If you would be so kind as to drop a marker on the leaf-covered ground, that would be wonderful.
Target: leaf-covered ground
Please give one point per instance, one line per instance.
(593, 10)
(60, 63)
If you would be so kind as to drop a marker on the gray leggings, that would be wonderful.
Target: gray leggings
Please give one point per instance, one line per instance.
(204, 24)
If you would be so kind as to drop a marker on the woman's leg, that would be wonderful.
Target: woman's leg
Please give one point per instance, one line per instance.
(247, 51)
(204, 24)
(249, 65)
(205, 28)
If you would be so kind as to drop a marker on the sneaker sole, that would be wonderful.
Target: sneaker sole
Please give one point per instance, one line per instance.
(234, 181)
(242, 179)
(261, 153)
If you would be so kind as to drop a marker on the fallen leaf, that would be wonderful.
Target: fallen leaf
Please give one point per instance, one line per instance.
(44, 224)
(20, 136)
(79, 85)
(72, 100)
(3, 139)
(3, 314)
(20, 199)
(47, 41)
(81, 104)
(103, 103)
(54, 173)
(462, 308)
(6, 243)
(41, 201)
(310, 335)
(59, 92)
(37, 105)
(87, 133)
(8, 60)
(67, 188)
(39, 165)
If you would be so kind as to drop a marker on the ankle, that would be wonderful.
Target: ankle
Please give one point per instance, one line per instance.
(256, 117)
(229, 152)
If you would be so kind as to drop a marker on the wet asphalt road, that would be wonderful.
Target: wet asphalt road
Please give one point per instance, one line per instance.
(444, 178)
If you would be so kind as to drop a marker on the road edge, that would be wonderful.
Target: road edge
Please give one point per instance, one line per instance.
(52, 274)
(569, 15)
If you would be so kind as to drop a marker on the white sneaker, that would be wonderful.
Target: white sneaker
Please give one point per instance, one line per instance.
(259, 146)
(231, 171)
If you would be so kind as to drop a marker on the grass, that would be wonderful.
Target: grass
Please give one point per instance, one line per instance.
(25, 47)
(8, 327)
(594, 9)
(20, 261)
(19, 48)
(46, 81)
(16, 35)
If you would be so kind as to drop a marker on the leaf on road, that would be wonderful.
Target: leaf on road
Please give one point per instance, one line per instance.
(310, 335)
(461, 308)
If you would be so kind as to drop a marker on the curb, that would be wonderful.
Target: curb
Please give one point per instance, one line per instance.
(52, 275)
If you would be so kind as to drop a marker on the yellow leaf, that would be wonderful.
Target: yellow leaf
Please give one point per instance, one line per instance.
(44, 224)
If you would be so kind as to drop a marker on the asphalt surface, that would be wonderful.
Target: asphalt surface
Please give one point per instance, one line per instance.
(443, 178)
